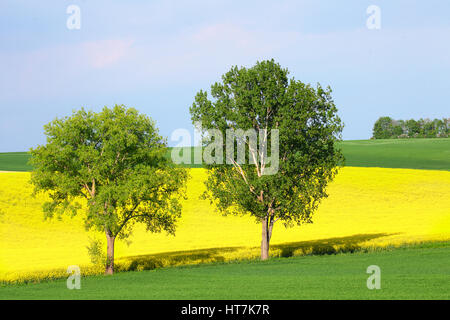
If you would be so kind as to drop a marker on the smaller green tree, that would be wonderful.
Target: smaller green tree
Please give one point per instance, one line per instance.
(96, 251)
(398, 128)
(441, 127)
(114, 161)
(437, 126)
(446, 126)
(383, 128)
(421, 124)
(413, 128)
(429, 130)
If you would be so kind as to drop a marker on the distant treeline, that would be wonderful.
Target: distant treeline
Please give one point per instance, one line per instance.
(388, 128)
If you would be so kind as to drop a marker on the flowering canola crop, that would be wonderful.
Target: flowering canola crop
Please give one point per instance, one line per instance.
(366, 208)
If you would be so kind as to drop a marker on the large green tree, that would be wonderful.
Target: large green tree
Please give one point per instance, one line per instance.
(263, 99)
(114, 161)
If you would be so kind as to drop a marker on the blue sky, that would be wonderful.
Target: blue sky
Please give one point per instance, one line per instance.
(155, 56)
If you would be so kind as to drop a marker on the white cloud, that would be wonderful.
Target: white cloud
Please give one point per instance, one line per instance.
(206, 52)
(104, 53)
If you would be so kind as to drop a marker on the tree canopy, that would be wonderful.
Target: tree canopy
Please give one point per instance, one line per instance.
(388, 128)
(113, 161)
(301, 119)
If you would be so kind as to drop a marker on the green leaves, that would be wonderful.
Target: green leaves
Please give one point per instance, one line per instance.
(264, 98)
(115, 161)
(388, 128)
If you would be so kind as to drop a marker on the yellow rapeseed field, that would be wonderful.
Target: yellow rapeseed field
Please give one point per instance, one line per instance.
(367, 207)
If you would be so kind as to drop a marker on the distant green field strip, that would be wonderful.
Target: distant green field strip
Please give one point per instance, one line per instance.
(429, 154)
(18, 161)
(14, 161)
(407, 273)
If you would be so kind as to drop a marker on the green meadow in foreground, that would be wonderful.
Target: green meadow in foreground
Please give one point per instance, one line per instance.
(418, 272)
(431, 154)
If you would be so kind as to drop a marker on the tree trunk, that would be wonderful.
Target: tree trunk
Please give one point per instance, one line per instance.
(110, 253)
(265, 240)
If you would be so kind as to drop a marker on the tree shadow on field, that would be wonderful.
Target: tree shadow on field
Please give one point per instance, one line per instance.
(175, 258)
(326, 246)
(311, 247)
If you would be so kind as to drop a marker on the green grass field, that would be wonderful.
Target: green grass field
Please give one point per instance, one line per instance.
(414, 272)
(14, 161)
(431, 154)
(418, 272)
